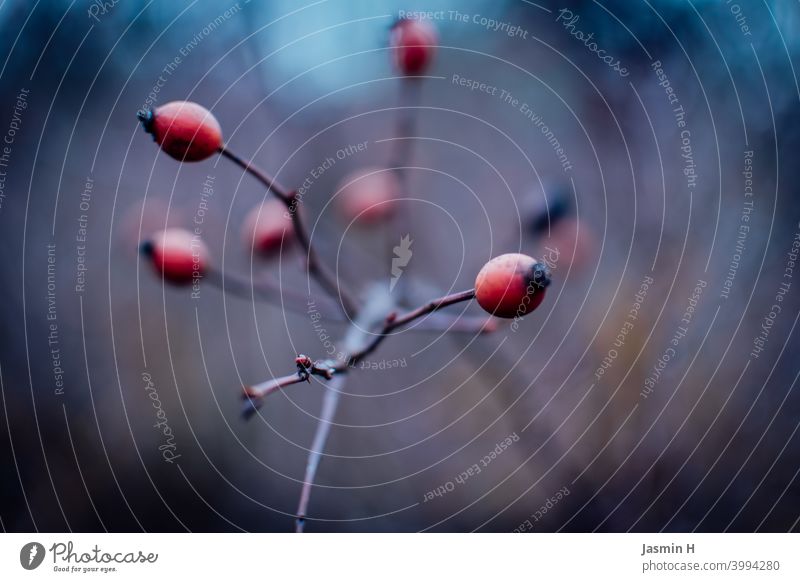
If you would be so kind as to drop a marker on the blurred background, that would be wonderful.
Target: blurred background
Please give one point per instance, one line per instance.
(654, 389)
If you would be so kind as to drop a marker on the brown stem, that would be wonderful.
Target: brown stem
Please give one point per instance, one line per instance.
(357, 335)
(400, 159)
(410, 88)
(430, 307)
(458, 324)
(393, 322)
(315, 267)
(255, 394)
(272, 185)
(329, 405)
(334, 390)
(358, 343)
(356, 349)
(326, 280)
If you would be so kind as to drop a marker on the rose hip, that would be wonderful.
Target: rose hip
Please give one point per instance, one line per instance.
(267, 227)
(511, 285)
(177, 255)
(186, 131)
(368, 195)
(413, 45)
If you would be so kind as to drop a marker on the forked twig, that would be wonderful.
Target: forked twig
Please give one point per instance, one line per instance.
(329, 405)
(358, 344)
(353, 355)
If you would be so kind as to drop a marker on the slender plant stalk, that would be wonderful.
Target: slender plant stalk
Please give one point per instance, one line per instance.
(271, 183)
(358, 343)
(405, 122)
(267, 388)
(458, 324)
(400, 159)
(430, 307)
(392, 322)
(357, 336)
(329, 404)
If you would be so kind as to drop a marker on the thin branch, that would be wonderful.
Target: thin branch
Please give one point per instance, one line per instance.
(253, 394)
(400, 159)
(359, 344)
(329, 405)
(405, 122)
(271, 183)
(331, 400)
(438, 322)
(393, 322)
(315, 267)
(430, 307)
(356, 336)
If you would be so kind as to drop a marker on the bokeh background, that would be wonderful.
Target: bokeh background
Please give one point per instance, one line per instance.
(701, 437)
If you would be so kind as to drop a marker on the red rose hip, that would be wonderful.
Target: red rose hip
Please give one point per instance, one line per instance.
(511, 285)
(368, 195)
(413, 45)
(267, 227)
(186, 131)
(177, 255)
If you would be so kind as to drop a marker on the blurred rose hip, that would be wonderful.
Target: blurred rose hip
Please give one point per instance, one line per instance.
(267, 227)
(413, 45)
(368, 195)
(177, 255)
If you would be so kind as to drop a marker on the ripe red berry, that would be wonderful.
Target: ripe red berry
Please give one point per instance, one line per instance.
(177, 255)
(511, 285)
(186, 131)
(413, 45)
(267, 226)
(368, 195)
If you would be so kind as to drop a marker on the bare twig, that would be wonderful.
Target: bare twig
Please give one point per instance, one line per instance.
(271, 183)
(392, 322)
(329, 405)
(291, 200)
(266, 388)
(438, 322)
(405, 121)
(358, 344)
(353, 355)
(400, 159)
(429, 307)
(356, 337)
